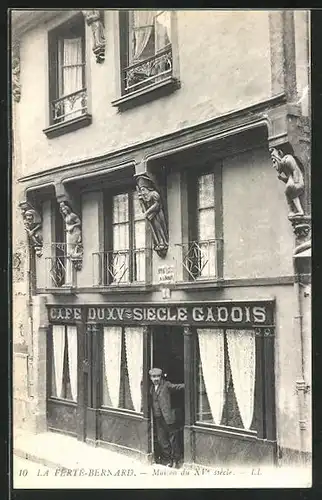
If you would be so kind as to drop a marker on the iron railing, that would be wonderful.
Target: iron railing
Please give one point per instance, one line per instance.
(60, 270)
(119, 267)
(69, 106)
(198, 260)
(152, 70)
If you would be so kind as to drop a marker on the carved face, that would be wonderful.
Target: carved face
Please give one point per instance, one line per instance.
(64, 208)
(28, 218)
(276, 158)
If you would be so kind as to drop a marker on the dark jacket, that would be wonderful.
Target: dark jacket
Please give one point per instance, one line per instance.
(164, 396)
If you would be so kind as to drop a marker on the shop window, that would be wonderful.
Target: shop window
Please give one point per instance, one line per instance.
(124, 260)
(147, 50)
(122, 368)
(67, 76)
(64, 362)
(201, 257)
(230, 380)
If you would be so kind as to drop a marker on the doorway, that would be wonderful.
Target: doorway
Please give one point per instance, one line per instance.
(168, 354)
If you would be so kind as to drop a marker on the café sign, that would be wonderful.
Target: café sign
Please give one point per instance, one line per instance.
(202, 314)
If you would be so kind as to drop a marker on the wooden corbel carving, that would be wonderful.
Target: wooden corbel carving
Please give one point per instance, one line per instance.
(73, 227)
(153, 210)
(33, 227)
(15, 70)
(94, 19)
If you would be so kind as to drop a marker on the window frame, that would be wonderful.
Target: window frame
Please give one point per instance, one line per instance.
(127, 100)
(101, 374)
(108, 244)
(265, 390)
(55, 37)
(213, 167)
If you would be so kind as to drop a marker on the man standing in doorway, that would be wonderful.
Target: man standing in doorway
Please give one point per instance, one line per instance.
(166, 427)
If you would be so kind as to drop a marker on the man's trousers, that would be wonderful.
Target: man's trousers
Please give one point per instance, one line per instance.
(167, 438)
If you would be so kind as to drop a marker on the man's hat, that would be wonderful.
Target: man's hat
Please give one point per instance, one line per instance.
(155, 371)
(143, 180)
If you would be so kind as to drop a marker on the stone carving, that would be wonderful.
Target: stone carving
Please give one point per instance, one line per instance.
(15, 69)
(152, 208)
(302, 230)
(290, 172)
(73, 228)
(32, 223)
(94, 19)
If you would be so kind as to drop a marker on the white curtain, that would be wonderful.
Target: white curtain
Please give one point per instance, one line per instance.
(58, 352)
(211, 348)
(112, 358)
(72, 75)
(134, 355)
(162, 30)
(121, 243)
(72, 359)
(143, 26)
(242, 356)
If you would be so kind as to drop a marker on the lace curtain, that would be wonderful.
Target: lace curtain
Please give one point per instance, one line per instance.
(58, 354)
(142, 29)
(72, 75)
(112, 358)
(134, 356)
(121, 243)
(211, 348)
(72, 359)
(242, 357)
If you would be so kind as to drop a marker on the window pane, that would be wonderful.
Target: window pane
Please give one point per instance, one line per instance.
(206, 191)
(206, 224)
(137, 208)
(139, 234)
(162, 30)
(120, 208)
(141, 35)
(121, 237)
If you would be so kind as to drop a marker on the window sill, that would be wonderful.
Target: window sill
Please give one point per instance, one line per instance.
(126, 288)
(227, 431)
(64, 290)
(147, 94)
(199, 284)
(69, 126)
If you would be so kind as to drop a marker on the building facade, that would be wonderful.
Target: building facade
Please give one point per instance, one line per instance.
(155, 231)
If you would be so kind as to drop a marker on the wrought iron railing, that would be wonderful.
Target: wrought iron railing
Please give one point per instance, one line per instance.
(198, 259)
(69, 106)
(152, 70)
(119, 267)
(60, 270)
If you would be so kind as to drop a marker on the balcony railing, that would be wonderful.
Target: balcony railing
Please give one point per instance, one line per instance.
(148, 72)
(121, 267)
(198, 260)
(60, 270)
(69, 106)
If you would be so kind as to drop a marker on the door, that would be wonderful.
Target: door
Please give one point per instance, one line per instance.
(168, 354)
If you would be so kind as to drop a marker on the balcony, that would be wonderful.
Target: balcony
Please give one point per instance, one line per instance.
(68, 113)
(121, 267)
(199, 260)
(60, 268)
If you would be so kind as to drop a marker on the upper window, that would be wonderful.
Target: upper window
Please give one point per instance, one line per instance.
(202, 254)
(146, 48)
(125, 256)
(68, 95)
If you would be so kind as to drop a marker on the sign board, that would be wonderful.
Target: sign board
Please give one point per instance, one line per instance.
(211, 314)
(166, 274)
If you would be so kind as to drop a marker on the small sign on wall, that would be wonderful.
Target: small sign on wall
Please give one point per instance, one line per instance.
(166, 274)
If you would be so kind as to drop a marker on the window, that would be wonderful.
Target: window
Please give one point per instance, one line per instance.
(124, 260)
(202, 255)
(64, 362)
(146, 47)
(122, 367)
(230, 379)
(67, 85)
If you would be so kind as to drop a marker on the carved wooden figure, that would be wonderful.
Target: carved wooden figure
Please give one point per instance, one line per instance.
(290, 173)
(94, 20)
(152, 208)
(32, 223)
(73, 230)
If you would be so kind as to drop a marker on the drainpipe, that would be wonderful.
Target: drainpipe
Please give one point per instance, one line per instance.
(302, 228)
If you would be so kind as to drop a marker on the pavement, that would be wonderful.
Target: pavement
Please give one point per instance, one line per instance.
(53, 460)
